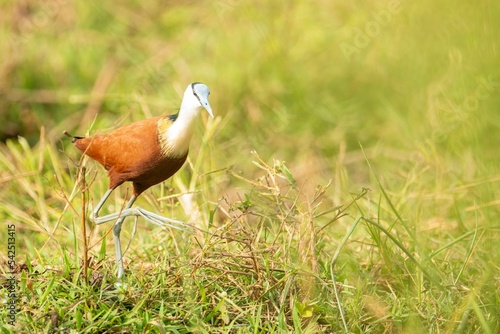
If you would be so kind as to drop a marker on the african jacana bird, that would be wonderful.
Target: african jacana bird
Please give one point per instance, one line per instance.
(145, 153)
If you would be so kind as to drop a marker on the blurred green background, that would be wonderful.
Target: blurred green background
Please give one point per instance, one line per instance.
(415, 83)
(291, 77)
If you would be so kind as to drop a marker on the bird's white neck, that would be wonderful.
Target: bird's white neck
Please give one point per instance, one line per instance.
(178, 135)
(175, 137)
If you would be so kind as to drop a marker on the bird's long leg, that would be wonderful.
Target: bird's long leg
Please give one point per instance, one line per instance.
(117, 228)
(119, 217)
(116, 237)
(95, 214)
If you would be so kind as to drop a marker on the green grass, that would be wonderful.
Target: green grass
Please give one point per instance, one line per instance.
(338, 192)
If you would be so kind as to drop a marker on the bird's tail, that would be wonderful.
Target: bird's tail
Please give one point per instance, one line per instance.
(74, 138)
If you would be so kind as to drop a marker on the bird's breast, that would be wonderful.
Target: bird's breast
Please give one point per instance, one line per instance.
(174, 137)
(156, 170)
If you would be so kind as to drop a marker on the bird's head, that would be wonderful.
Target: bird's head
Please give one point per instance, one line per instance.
(196, 97)
(177, 133)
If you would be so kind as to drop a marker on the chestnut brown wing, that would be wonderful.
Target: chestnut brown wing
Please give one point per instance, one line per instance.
(126, 151)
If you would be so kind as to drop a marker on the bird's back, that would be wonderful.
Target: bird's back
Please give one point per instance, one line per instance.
(132, 153)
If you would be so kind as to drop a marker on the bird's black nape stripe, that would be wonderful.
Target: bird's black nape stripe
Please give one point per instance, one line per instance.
(173, 117)
(194, 92)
